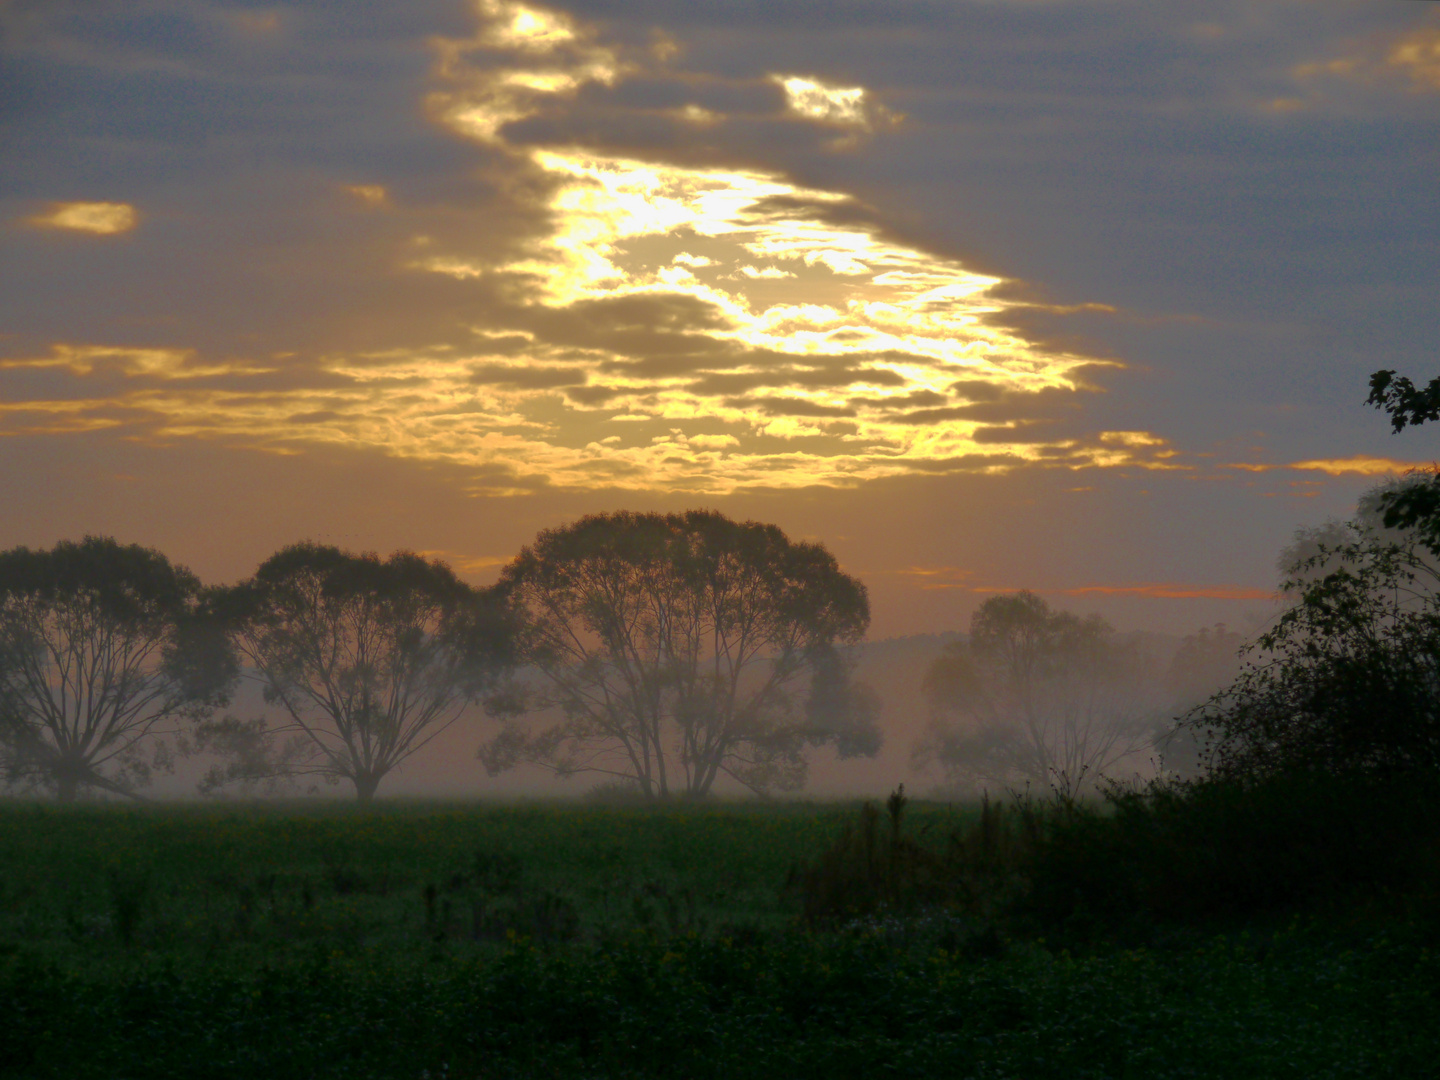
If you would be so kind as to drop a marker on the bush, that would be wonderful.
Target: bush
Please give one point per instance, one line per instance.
(1347, 683)
(1221, 850)
(1231, 849)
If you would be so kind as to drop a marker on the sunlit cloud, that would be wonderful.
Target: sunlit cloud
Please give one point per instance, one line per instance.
(841, 106)
(1411, 57)
(1283, 105)
(160, 363)
(58, 417)
(1417, 55)
(522, 28)
(372, 195)
(665, 326)
(253, 23)
(102, 218)
(698, 115)
(1357, 465)
(465, 563)
(930, 578)
(550, 57)
(1360, 464)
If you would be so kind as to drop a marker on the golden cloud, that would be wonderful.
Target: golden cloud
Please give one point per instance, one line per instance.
(93, 359)
(371, 195)
(101, 218)
(1417, 54)
(842, 106)
(1360, 464)
(670, 326)
(1357, 464)
(1413, 55)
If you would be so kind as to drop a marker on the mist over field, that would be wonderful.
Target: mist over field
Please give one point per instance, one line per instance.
(894, 668)
(448, 768)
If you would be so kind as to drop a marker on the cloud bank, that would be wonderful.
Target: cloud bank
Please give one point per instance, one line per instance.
(655, 317)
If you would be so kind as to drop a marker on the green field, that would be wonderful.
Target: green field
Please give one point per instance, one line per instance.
(435, 940)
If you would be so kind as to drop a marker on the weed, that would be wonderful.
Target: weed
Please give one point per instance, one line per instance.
(128, 891)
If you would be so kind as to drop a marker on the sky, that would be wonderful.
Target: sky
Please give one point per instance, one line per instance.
(1080, 296)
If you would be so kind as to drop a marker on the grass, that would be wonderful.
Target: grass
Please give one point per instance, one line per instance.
(196, 884)
(548, 940)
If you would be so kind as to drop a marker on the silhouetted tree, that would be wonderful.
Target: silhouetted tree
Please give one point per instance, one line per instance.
(102, 647)
(368, 660)
(1399, 398)
(1035, 696)
(1414, 504)
(1347, 680)
(683, 647)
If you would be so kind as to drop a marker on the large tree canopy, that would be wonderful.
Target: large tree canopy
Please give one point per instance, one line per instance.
(368, 659)
(1035, 696)
(683, 647)
(101, 647)
(1347, 680)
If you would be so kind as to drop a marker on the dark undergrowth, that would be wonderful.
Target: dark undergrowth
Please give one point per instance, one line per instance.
(1206, 854)
(1280, 930)
(861, 1003)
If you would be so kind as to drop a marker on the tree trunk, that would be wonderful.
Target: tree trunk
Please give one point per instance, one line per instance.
(365, 785)
(67, 788)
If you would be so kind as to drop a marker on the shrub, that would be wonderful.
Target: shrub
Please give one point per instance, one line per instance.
(870, 870)
(1347, 682)
(1219, 850)
(1231, 849)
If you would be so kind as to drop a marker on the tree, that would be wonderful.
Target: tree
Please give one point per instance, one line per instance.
(102, 646)
(1405, 404)
(1415, 504)
(1347, 681)
(1035, 696)
(1204, 663)
(678, 648)
(367, 660)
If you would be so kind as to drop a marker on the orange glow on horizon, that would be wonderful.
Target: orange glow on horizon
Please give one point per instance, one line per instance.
(1362, 465)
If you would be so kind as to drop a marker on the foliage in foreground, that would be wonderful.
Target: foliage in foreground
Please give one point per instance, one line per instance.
(432, 941)
(1347, 682)
(1213, 853)
(863, 1003)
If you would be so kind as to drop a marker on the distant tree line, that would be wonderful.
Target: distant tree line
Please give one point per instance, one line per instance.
(1047, 700)
(677, 648)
